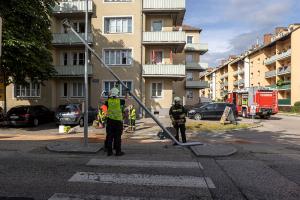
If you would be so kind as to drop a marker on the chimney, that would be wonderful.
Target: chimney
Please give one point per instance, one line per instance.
(280, 29)
(267, 38)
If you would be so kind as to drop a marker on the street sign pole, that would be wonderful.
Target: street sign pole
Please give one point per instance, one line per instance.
(86, 79)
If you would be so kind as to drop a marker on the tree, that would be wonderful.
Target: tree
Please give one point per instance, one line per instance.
(26, 46)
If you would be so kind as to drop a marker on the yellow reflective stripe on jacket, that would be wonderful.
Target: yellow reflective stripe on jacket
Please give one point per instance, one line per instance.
(132, 114)
(114, 110)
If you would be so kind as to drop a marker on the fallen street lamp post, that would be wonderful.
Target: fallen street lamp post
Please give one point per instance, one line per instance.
(67, 24)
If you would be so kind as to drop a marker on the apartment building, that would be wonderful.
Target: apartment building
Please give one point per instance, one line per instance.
(143, 41)
(271, 65)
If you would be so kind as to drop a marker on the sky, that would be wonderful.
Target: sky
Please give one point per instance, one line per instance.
(232, 26)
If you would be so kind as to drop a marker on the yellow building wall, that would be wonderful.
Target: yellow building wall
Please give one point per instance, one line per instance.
(295, 69)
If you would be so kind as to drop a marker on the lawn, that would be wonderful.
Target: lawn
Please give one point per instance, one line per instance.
(214, 126)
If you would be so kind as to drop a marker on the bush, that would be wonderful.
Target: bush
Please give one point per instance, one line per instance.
(296, 109)
(297, 103)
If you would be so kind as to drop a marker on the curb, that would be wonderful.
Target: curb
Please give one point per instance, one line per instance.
(213, 150)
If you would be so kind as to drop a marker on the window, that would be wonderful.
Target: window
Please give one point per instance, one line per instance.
(157, 26)
(78, 58)
(189, 39)
(30, 90)
(189, 58)
(189, 76)
(65, 55)
(64, 90)
(108, 85)
(189, 94)
(78, 89)
(79, 27)
(118, 25)
(156, 90)
(118, 57)
(156, 57)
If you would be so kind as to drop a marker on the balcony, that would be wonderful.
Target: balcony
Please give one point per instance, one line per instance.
(69, 39)
(197, 66)
(197, 84)
(163, 5)
(225, 75)
(285, 86)
(236, 73)
(284, 102)
(154, 38)
(197, 47)
(239, 82)
(276, 57)
(72, 71)
(168, 71)
(72, 7)
(284, 55)
(270, 74)
(284, 70)
(241, 71)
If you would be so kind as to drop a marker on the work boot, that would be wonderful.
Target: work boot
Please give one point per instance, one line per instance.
(121, 153)
(109, 153)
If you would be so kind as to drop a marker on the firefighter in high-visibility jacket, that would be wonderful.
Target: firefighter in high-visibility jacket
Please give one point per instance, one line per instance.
(102, 115)
(114, 126)
(132, 118)
(177, 115)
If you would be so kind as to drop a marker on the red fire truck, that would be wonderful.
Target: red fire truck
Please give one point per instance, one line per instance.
(261, 102)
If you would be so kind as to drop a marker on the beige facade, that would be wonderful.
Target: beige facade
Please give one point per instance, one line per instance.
(272, 65)
(145, 44)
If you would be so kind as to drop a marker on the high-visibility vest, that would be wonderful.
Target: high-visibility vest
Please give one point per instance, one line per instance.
(132, 114)
(114, 111)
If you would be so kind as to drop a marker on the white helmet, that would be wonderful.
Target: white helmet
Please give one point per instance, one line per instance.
(114, 92)
(177, 99)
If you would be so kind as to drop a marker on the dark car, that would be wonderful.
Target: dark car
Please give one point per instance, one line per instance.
(195, 106)
(71, 114)
(29, 115)
(211, 111)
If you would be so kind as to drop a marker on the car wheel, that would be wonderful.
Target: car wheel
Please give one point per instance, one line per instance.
(198, 116)
(81, 122)
(244, 113)
(35, 122)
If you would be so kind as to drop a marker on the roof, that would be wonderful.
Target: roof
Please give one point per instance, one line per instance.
(186, 27)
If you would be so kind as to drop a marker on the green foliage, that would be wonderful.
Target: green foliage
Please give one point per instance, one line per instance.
(27, 39)
(279, 82)
(295, 109)
(297, 103)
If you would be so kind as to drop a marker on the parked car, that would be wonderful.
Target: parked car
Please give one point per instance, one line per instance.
(29, 115)
(71, 114)
(195, 106)
(211, 111)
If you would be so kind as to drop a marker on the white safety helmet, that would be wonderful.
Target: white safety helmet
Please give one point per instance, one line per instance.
(114, 92)
(177, 100)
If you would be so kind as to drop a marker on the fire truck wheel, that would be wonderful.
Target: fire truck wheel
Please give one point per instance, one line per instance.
(244, 113)
(198, 116)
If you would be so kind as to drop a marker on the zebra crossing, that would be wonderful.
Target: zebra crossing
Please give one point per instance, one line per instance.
(96, 176)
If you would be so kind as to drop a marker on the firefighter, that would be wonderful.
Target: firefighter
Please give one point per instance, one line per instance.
(177, 114)
(132, 118)
(114, 127)
(102, 114)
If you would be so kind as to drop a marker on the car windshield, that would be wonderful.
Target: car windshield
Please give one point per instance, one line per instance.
(19, 110)
(66, 108)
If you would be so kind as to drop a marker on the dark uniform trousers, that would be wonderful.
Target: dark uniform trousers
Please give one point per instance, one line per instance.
(180, 127)
(114, 131)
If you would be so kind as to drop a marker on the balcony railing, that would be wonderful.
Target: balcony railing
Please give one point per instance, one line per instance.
(164, 71)
(163, 4)
(202, 47)
(284, 102)
(164, 37)
(285, 86)
(72, 71)
(284, 55)
(197, 66)
(276, 57)
(69, 38)
(284, 70)
(225, 75)
(239, 82)
(197, 84)
(270, 74)
(73, 7)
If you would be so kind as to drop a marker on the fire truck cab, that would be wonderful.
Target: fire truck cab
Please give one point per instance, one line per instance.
(263, 100)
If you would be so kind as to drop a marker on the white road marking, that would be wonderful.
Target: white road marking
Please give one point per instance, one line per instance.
(62, 196)
(144, 163)
(140, 179)
(210, 183)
